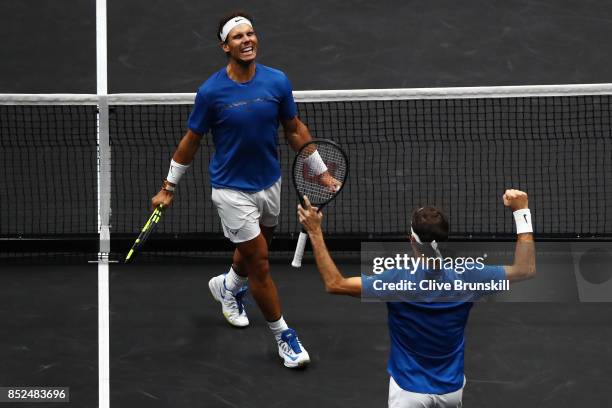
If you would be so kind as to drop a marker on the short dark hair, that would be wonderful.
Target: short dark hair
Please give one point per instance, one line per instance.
(430, 224)
(228, 17)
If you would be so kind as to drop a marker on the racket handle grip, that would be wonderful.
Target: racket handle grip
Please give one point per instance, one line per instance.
(299, 250)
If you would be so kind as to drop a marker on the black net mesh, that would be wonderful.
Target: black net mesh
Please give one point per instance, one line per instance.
(457, 154)
(48, 185)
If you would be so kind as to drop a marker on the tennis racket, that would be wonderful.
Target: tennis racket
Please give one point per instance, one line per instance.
(146, 231)
(322, 188)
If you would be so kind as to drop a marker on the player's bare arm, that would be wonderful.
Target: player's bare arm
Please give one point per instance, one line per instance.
(296, 133)
(183, 156)
(524, 266)
(187, 148)
(333, 279)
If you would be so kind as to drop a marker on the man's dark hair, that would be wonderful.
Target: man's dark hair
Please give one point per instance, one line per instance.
(430, 224)
(228, 17)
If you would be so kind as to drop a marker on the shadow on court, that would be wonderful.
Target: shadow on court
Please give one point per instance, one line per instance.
(49, 330)
(170, 346)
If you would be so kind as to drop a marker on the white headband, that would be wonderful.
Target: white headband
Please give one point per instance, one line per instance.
(233, 22)
(434, 244)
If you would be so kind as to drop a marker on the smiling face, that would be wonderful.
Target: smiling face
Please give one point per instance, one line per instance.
(241, 44)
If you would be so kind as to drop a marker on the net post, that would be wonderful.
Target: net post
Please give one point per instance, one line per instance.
(104, 171)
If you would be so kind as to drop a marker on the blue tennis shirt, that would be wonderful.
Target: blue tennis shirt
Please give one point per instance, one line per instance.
(243, 119)
(427, 337)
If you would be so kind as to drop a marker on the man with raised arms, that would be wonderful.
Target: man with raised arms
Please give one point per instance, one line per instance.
(427, 337)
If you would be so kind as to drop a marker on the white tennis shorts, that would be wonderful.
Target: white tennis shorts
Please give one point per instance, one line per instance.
(400, 398)
(241, 213)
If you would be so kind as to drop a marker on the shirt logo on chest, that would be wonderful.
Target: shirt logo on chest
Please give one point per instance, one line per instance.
(246, 102)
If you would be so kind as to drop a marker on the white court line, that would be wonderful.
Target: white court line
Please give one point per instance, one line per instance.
(101, 63)
(103, 208)
(103, 337)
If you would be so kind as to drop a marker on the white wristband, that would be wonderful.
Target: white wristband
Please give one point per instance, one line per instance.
(176, 172)
(315, 162)
(522, 219)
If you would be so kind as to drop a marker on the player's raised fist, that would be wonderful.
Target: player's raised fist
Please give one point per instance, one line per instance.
(515, 199)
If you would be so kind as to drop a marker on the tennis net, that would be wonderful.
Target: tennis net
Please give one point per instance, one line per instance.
(48, 179)
(456, 148)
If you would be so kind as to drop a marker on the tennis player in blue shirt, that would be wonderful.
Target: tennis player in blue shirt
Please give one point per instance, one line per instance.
(241, 105)
(427, 337)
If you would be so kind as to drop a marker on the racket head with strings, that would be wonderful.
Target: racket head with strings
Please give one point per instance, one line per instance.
(146, 231)
(308, 183)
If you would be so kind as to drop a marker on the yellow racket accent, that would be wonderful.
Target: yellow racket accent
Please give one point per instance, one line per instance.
(145, 232)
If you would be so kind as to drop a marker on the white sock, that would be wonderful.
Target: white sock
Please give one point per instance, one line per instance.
(234, 282)
(278, 327)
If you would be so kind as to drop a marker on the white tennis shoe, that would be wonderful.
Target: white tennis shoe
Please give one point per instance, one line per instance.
(231, 305)
(290, 349)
